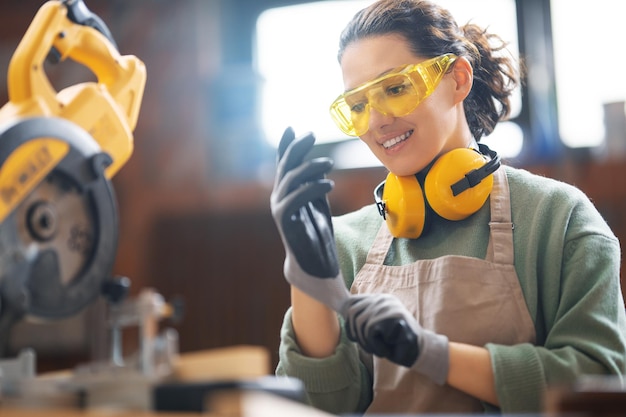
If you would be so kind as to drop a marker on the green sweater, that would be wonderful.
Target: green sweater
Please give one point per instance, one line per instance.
(568, 263)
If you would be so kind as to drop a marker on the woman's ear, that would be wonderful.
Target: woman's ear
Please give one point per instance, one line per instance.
(464, 77)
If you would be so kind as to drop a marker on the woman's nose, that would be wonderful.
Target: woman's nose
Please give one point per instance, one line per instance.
(378, 119)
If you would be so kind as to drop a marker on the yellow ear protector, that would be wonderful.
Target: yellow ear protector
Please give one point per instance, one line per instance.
(455, 186)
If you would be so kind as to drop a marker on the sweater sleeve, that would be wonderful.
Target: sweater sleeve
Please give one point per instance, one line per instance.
(337, 384)
(578, 307)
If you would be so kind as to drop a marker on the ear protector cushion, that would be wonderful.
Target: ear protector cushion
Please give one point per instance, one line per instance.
(448, 170)
(405, 206)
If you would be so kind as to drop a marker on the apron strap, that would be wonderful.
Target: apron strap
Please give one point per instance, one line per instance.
(378, 252)
(500, 248)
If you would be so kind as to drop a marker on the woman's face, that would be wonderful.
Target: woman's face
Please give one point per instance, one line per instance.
(405, 145)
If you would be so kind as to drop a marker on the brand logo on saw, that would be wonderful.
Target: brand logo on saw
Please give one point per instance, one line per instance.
(25, 168)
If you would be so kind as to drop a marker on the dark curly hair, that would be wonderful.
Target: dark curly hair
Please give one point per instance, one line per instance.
(432, 31)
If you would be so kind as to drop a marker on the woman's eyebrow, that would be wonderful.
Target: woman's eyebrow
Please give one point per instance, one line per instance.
(373, 79)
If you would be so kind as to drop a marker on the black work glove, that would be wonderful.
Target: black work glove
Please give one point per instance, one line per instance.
(302, 214)
(383, 326)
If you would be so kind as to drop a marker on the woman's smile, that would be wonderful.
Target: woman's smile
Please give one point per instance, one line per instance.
(390, 143)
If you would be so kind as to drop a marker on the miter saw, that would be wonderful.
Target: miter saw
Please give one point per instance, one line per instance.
(58, 153)
(58, 212)
(59, 228)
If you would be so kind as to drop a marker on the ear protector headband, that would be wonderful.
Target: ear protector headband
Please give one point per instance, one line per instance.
(456, 186)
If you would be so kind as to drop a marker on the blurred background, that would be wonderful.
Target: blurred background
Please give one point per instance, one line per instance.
(225, 77)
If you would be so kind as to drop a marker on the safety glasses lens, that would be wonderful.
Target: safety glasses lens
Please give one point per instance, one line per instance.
(395, 94)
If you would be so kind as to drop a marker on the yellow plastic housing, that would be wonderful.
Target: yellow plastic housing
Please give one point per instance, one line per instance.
(404, 205)
(450, 168)
(108, 109)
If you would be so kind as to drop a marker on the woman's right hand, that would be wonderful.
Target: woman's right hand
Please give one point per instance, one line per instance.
(302, 215)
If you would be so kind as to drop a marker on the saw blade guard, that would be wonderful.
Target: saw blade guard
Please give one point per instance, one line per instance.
(57, 243)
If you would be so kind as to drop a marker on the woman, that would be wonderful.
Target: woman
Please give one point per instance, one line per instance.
(493, 292)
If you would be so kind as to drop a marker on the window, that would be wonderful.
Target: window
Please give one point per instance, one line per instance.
(295, 55)
(296, 50)
(589, 62)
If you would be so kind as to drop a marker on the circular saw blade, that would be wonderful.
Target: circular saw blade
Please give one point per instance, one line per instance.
(57, 246)
(56, 217)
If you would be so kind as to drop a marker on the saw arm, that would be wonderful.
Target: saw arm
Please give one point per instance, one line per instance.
(107, 109)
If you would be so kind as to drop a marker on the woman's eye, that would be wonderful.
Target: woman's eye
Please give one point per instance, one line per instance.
(357, 108)
(395, 90)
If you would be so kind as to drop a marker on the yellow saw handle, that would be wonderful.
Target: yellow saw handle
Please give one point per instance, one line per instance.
(107, 109)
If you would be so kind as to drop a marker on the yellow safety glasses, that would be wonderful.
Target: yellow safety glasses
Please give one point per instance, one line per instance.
(397, 94)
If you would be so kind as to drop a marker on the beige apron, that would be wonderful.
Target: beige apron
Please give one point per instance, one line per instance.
(470, 300)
